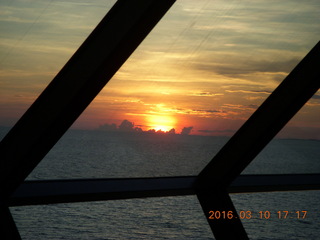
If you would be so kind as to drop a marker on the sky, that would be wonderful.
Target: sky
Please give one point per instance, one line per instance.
(207, 64)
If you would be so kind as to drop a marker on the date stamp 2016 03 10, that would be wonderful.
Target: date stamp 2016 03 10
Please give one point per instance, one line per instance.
(281, 214)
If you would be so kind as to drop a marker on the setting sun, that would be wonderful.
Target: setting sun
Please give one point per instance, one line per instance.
(159, 122)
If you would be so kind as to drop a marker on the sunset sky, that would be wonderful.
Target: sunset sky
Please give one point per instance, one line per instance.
(207, 64)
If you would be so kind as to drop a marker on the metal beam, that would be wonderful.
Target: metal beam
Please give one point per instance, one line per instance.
(8, 229)
(274, 182)
(217, 202)
(286, 100)
(75, 86)
(64, 191)
(60, 191)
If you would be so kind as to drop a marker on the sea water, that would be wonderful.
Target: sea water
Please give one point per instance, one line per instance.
(98, 154)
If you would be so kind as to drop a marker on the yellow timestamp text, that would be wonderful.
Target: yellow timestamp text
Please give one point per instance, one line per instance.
(281, 214)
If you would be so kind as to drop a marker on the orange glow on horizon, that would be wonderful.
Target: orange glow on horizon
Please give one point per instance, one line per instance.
(161, 122)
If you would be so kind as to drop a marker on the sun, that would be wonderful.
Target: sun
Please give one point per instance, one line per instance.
(162, 128)
(161, 122)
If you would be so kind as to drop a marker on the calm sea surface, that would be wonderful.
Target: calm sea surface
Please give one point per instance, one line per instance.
(96, 154)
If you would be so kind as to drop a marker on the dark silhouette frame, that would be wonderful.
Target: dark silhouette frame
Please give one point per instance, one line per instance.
(83, 77)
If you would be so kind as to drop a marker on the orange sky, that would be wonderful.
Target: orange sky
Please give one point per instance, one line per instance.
(207, 64)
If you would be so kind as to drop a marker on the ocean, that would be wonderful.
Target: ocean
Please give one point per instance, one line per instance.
(99, 154)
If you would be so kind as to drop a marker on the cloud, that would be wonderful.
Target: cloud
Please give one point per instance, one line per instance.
(240, 106)
(239, 111)
(201, 111)
(316, 96)
(186, 130)
(230, 68)
(313, 104)
(250, 91)
(126, 126)
(206, 94)
(253, 106)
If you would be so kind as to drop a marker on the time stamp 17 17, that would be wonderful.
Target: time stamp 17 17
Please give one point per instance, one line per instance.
(281, 214)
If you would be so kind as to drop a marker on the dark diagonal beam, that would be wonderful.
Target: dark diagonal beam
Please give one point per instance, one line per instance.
(221, 215)
(286, 100)
(295, 90)
(8, 229)
(75, 86)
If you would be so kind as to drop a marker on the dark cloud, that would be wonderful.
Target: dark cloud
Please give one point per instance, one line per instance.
(126, 126)
(172, 131)
(240, 107)
(250, 91)
(151, 131)
(186, 130)
(206, 94)
(253, 106)
(141, 125)
(208, 111)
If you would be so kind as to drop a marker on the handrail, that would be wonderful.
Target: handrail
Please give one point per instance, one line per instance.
(79, 190)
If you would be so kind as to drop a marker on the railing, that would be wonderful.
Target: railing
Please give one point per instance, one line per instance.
(79, 190)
